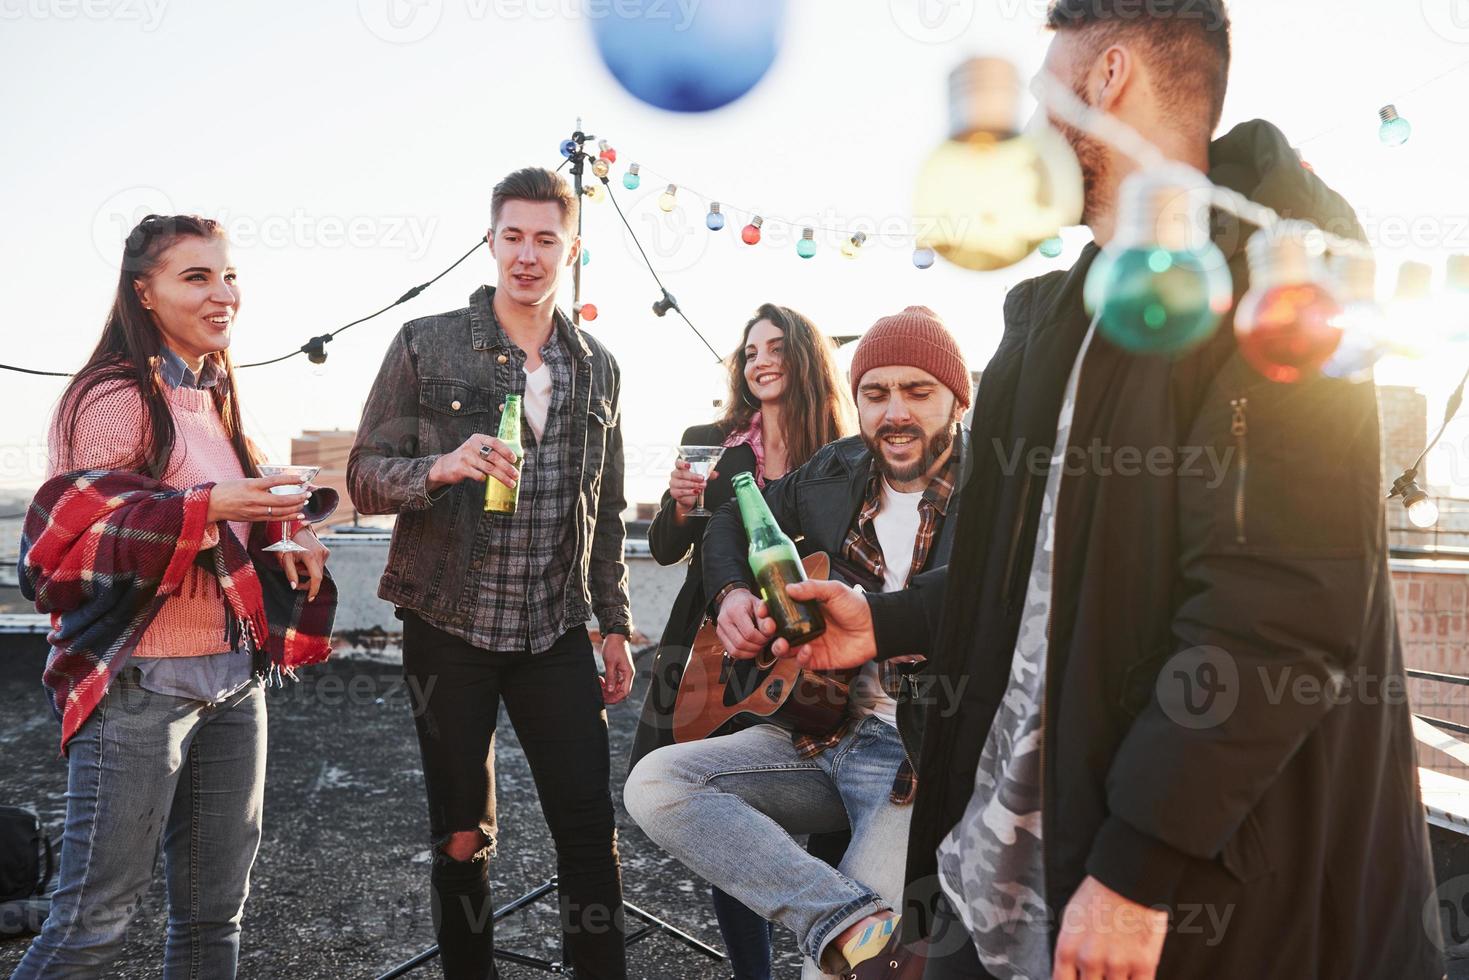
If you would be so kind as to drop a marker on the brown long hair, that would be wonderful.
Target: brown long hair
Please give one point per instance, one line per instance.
(129, 346)
(815, 407)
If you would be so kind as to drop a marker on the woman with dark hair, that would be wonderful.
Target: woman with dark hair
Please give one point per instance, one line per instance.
(164, 625)
(786, 400)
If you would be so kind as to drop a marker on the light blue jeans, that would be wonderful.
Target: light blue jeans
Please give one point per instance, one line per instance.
(146, 770)
(727, 808)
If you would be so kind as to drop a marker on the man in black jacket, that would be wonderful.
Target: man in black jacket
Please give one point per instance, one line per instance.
(1198, 672)
(880, 505)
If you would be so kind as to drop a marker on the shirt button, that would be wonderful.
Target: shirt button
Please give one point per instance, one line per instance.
(454, 404)
(502, 359)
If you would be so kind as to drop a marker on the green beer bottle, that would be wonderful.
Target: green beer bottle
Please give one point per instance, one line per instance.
(776, 564)
(500, 499)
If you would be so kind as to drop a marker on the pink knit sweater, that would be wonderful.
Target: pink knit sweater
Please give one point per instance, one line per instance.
(109, 428)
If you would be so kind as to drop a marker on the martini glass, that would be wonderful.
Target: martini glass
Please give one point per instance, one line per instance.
(304, 474)
(701, 460)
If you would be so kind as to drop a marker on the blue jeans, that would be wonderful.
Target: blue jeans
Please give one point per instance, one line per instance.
(727, 807)
(146, 770)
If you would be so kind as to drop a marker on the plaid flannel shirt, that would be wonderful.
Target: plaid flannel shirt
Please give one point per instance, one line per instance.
(862, 550)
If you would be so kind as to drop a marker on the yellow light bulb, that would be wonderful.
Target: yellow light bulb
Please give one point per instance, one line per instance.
(667, 200)
(595, 192)
(987, 196)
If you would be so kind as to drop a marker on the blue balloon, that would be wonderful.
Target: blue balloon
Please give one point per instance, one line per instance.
(692, 63)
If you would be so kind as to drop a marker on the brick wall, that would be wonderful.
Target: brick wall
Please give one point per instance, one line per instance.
(1433, 620)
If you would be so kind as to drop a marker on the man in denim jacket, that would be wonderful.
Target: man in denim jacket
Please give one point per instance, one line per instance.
(494, 606)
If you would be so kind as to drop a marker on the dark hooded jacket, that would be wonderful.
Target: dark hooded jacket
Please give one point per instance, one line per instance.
(1225, 729)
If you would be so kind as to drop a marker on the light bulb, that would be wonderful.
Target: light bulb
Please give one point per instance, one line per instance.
(923, 257)
(601, 168)
(595, 192)
(667, 200)
(1364, 338)
(1423, 513)
(1160, 286)
(1051, 247)
(853, 245)
(751, 232)
(632, 178)
(607, 153)
(588, 311)
(1286, 325)
(806, 247)
(316, 353)
(689, 64)
(1394, 130)
(990, 194)
(568, 147)
(586, 255)
(714, 220)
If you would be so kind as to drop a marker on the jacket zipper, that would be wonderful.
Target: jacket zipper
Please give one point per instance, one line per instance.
(1239, 429)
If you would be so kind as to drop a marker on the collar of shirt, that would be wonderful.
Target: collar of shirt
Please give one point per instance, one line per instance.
(176, 374)
(482, 308)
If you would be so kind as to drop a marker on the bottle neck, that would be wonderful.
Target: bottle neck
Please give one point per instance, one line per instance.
(760, 526)
(510, 421)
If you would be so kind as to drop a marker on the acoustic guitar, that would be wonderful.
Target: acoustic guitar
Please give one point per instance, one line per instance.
(716, 688)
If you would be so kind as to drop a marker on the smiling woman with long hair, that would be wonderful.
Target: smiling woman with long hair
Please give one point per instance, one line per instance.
(786, 400)
(163, 718)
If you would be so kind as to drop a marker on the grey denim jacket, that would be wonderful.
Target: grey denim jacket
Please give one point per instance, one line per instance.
(444, 379)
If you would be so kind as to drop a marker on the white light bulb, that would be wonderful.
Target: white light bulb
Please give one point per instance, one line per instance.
(1423, 513)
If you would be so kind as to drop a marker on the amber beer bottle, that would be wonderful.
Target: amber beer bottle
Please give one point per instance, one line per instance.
(500, 499)
(776, 564)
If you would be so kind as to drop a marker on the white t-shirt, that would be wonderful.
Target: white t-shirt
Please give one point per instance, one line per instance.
(896, 525)
(537, 400)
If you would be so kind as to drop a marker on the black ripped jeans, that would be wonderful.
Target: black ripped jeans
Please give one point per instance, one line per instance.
(555, 703)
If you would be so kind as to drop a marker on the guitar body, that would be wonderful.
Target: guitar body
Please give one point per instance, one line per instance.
(716, 688)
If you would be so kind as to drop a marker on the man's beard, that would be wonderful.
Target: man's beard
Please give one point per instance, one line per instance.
(934, 446)
(1091, 155)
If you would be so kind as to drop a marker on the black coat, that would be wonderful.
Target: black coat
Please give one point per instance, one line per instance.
(1264, 586)
(672, 543)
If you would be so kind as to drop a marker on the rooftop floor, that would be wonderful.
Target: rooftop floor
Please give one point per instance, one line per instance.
(340, 886)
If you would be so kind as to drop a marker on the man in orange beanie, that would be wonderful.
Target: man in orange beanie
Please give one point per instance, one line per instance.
(881, 504)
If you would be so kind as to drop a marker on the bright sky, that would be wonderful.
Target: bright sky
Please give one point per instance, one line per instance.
(349, 167)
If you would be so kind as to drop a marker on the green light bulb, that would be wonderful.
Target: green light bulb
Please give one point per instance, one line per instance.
(1394, 130)
(632, 178)
(1160, 286)
(1051, 247)
(806, 247)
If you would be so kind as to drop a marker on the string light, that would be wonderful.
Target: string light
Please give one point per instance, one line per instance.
(750, 235)
(668, 199)
(586, 255)
(1287, 324)
(568, 148)
(595, 192)
(923, 257)
(632, 178)
(601, 168)
(853, 245)
(714, 221)
(607, 153)
(1161, 285)
(1394, 130)
(1051, 247)
(989, 195)
(806, 247)
(586, 311)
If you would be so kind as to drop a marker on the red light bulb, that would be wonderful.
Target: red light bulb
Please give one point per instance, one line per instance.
(608, 153)
(1287, 332)
(588, 311)
(751, 233)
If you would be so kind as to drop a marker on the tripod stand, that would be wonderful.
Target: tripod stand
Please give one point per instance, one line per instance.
(651, 924)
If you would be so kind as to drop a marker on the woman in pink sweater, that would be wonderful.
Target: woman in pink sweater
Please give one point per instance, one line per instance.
(174, 753)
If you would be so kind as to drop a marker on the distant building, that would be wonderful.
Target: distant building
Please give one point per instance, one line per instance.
(329, 449)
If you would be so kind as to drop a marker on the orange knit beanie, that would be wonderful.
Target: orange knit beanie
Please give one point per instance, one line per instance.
(915, 338)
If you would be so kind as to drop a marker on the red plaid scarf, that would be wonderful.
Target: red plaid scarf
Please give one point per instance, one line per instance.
(101, 550)
(862, 550)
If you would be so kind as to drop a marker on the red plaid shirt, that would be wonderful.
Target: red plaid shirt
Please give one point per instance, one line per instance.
(862, 550)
